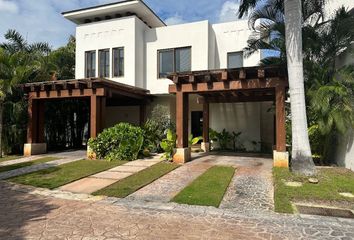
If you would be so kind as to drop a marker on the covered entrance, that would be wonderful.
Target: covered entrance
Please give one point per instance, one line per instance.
(254, 84)
(101, 94)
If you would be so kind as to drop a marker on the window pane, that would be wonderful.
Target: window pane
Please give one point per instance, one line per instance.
(118, 62)
(104, 63)
(121, 61)
(235, 60)
(166, 63)
(183, 60)
(90, 64)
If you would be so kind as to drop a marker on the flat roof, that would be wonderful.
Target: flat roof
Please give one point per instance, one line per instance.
(115, 10)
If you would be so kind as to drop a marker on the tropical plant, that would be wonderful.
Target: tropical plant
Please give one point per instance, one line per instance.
(224, 139)
(168, 145)
(193, 140)
(235, 139)
(121, 142)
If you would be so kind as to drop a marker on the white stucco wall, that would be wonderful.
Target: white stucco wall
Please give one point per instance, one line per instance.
(194, 35)
(111, 34)
(232, 37)
(128, 114)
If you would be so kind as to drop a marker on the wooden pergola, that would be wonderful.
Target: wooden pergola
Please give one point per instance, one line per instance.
(100, 92)
(254, 84)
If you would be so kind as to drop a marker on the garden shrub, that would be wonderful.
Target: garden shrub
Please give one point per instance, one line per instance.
(121, 142)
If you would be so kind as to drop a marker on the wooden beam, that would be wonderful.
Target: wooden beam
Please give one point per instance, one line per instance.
(280, 119)
(233, 85)
(32, 121)
(95, 116)
(242, 74)
(67, 93)
(224, 75)
(182, 119)
(233, 99)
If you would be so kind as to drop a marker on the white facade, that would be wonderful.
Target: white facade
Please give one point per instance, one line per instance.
(143, 37)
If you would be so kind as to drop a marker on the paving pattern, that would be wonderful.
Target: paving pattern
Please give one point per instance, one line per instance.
(103, 179)
(63, 158)
(251, 189)
(165, 188)
(33, 216)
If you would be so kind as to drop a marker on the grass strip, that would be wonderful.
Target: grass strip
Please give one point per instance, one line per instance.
(57, 176)
(208, 189)
(26, 164)
(136, 181)
(9, 158)
(332, 181)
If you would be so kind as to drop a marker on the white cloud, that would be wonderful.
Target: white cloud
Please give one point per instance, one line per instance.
(176, 19)
(229, 11)
(8, 6)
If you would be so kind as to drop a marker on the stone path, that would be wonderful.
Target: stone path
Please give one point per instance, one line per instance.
(63, 158)
(101, 180)
(33, 216)
(251, 189)
(166, 187)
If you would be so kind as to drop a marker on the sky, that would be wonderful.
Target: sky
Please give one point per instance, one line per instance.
(41, 20)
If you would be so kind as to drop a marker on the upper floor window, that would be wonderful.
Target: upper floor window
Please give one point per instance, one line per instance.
(118, 62)
(90, 64)
(235, 60)
(174, 60)
(103, 61)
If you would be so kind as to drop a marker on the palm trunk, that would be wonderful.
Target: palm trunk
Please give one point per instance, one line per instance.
(301, 161)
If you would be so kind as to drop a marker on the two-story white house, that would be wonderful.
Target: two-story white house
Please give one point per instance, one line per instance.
(128, 44)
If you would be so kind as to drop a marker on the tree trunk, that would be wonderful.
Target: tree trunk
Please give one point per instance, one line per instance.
(1, 123)
(301, 159)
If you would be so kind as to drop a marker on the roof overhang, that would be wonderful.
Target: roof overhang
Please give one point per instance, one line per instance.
(115, 10)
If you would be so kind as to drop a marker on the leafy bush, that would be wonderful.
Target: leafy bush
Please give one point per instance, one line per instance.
(193, 141)
(155, 128)
(169, 144)
(121, 142)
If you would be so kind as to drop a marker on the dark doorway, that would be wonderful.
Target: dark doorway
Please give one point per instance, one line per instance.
(197, 123)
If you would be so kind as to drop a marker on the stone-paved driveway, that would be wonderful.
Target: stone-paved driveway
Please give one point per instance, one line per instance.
(30, 216)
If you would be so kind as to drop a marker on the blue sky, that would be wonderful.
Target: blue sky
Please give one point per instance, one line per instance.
(41, 20)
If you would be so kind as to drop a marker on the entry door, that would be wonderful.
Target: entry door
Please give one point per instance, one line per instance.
(197, 123)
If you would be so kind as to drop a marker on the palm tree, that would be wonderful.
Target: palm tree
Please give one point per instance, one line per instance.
(20, 62)
(302, 161)
(301, 155)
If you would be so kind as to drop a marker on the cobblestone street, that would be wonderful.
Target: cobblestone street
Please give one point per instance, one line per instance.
(30, 216)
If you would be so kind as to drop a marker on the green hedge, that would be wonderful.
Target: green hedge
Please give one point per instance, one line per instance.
(121, 142)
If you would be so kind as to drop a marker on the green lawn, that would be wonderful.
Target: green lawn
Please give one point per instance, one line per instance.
(57, 176)
(26, 164)
(208, 189)
(9, 158)
(331, 182)
(136, 181)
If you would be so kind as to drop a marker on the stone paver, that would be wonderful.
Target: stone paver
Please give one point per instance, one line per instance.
(251, 188)
(166, 187)
(63, 158)
(103, 179)
(87, 185)
(32, 216)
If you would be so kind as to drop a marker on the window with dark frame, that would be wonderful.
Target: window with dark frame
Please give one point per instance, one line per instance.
(104, 62)
(235, 59)
(174, 60)
(118, 62)
(90, 64)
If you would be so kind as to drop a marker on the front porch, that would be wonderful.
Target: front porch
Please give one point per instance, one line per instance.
(255, 84)
(105, 97)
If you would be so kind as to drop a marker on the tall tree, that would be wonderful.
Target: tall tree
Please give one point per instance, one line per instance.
(302, 161)
(301, 155)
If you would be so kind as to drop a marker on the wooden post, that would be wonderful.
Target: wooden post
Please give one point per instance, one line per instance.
(280, 119)
(205, 121)
(102, 114)
(142, 114)
(32, 121)
(182, 119)
(95, 116)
